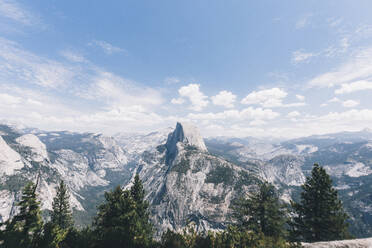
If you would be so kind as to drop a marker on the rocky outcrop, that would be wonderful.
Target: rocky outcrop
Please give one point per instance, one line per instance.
(354, 243)
(184, 183)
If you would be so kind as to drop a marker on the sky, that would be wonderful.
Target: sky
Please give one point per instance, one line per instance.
(240, 68)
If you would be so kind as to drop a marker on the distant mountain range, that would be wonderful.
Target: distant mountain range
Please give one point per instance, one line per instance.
(187, 178)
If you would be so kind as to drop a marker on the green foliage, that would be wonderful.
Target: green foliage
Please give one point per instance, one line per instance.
(25, 229)
(53, 236)
(79, 238)
(122, 221)
(245, 179)
(220, 174)
(182, 167)
(61, 215)
(232, 237)
(319, 215)
(172, 239)
(262, 212)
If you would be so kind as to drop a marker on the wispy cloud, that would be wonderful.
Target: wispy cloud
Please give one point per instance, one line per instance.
(303, 21)
(350, 103)
(249, 113)
(63, 94)
(334, 22)
(73, 56)
(107, 47)
(301, 56)
(172, 80)
(354, 87)
(18, 65)
(358, 67)
(12, 10)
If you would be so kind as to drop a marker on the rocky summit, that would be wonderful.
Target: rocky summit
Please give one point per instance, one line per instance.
(186, 178)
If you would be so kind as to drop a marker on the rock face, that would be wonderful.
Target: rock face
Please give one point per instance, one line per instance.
(10, 160)
(354, 243)
(38, 152)
(187, 134)
(89, 164)
(185, 183)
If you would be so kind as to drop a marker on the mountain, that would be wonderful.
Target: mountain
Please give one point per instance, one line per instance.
(89, 164)
(182, 180)
(185, 183)
(186, 178)
(346, 156)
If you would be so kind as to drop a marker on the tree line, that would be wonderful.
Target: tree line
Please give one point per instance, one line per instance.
(123, 220)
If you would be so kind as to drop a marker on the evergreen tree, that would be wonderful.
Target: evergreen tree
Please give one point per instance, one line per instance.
(61, 215)
(262, 212)
(53, 236)
(55, 232)
(319, 215)
(25, 229)
(171, 239)
(123, 220)
(138, 194)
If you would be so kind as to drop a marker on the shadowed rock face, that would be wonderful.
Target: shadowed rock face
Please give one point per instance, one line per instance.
(187, 134)
(184, 133)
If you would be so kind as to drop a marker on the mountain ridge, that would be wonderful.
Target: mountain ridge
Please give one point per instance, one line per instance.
(188, 185)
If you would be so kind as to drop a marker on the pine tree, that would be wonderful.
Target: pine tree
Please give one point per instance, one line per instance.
(55, 231)
(53, 236)
(61, 215)
(123, 220)
(25, 229)
(319, 215)
(262, 212)
(138, 194)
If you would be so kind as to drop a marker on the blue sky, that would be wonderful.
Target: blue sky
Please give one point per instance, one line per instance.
(234, 68)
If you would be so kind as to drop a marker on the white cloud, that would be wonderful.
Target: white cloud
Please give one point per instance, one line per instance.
(267, 98)
(249, 113)
(293, 114)
(178, 100)
(353, 87)
(300, 56)
(359, 67)
(224, 98)
(270, 98)
(334, 99)
(196, 97)
(18, 65)
(16, 12)
(303, 21)
(107, 47)
(300, 97)
(73, 56)
(113, 90)
(346, 104)
(36, 109)
(41, 92)
(304, 125)
(7, 99)
(350, 103)
(172, 80)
